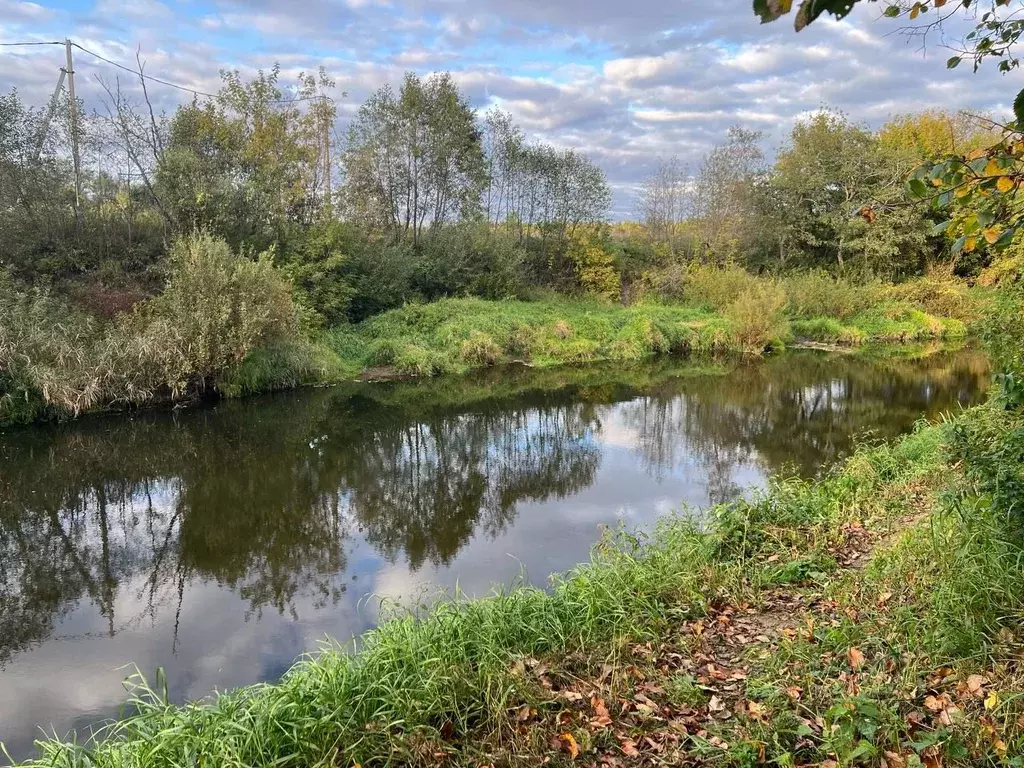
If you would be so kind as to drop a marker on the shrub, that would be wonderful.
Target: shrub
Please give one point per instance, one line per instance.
(480, 350)
(818, 294)
(938, 295)
(756, 316)
(594, 266)
(46, 354)
(217, 307)
(521, 341)
(718, 287)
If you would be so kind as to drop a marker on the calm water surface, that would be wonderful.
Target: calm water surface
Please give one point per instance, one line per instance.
(221, 543)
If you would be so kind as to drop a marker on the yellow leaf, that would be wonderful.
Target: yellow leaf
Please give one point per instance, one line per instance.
(970, 244)
(991, 235)
(936, 182)
(993, 169)
(992, 701)
(915, 11)
(963, 191)
(976, 154)
(570, 745)
(1005, 184)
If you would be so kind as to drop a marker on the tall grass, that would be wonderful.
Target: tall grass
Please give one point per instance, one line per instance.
(454, 335)
(215, 310)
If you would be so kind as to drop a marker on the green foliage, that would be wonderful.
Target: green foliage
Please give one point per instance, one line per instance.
(216, 309)
(756, 317)
(713, 287)
(817, 293)
(939, 295)
(594, 266)
(470, 259)
(454, 335)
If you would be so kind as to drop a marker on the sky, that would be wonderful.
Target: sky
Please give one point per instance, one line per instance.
(628, 82)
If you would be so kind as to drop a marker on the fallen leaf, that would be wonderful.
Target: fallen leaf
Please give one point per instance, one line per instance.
(992, 701)
(602, 717)
(794, 692)
(856, 658)
(933, 704)
(716, 704)
(757, 711)
(569, 745)
(976, 685)
(629, 748)
(895, 760)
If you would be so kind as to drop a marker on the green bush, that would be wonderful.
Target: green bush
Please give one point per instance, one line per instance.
(819, 294)
(756, 316)
(937, 295)
(469, 260)
(718, 287)
(216, 310)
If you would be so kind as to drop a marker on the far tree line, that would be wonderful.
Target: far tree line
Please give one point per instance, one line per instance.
(424, 196)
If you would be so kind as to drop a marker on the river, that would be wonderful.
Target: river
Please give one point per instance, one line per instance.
(220, 543)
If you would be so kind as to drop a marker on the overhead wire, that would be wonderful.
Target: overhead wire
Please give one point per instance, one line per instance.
(151, 78)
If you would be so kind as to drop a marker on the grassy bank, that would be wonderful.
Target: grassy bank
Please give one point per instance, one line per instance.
(226, 325)
(875, 615)
(456, 335)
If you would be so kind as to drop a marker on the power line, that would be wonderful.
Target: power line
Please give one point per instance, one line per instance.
(160, 80)
(141, 74)
(137, 73)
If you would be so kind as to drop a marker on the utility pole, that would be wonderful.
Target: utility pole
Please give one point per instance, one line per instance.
(51, 108)
(73, 113)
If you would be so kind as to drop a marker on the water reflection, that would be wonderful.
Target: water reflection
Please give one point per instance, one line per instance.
(221, 543)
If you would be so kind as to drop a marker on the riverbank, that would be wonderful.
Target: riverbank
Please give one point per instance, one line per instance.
(873, 615)
(58, 368)
(454, 336)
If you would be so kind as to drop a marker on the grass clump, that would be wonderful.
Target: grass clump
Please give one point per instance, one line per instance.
(216, 310)
(455, 335)
(756, 317)
(817, 293)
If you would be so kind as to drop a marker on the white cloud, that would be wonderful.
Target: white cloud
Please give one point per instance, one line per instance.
(625, 82)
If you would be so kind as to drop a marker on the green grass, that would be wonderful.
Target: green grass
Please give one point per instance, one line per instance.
(456, 335)
(445, 677)
(894, 322)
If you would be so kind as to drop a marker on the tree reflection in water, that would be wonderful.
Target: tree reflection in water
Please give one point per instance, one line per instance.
(264, 497)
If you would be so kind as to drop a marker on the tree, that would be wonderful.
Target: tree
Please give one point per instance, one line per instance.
(249, 163)
(664, 201)
(830, 201)
(986, 180)
(933, 133)
(414, 160)
(721, 189)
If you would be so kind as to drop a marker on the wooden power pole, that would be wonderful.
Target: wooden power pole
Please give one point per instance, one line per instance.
(73, 114)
